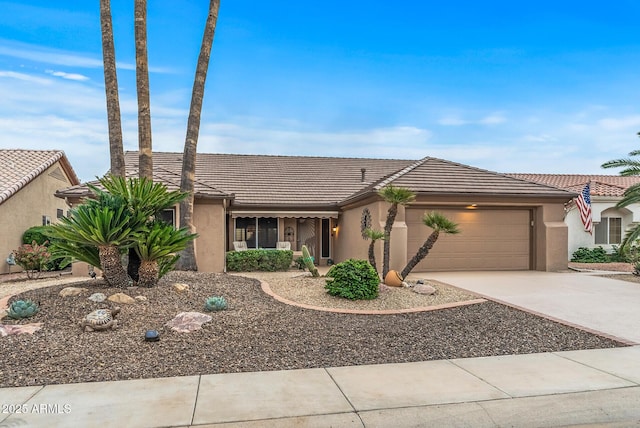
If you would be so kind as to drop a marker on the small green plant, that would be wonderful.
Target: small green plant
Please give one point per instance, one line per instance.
(215, 303)
(590, 255)
(299, 262)
(353, 279)
(308, 262)
(33, 258)
(22, 309)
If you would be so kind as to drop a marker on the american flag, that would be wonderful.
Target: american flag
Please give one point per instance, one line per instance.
(583, 201)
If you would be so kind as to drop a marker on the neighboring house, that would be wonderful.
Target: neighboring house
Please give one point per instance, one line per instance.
(322, 202)
(28, 182)
(609, 223)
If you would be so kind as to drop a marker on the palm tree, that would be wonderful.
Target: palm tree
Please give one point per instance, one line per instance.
(373, 235)
(395, 196)
(439, 223)
(631, 194)
(142, 86)
(188, 256)
(116, 150)
(157, 251)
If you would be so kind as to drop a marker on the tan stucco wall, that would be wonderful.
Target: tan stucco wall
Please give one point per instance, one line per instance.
(26, 208)
(552, 238)
(348, 242)
(209, 220)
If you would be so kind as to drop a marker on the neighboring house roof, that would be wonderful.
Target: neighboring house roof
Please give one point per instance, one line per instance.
(601, 185)
(19, 167)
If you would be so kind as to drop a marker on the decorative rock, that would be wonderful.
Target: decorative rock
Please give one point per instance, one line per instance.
(186, 322)
(424, 289)
(7, 330)
(151, 336)
(100, 319)
(97, 297)
(122, 298)
(141, 298)
(181, 288)
(420, 281)
(72, 291)
(406, 284)
(383, 288)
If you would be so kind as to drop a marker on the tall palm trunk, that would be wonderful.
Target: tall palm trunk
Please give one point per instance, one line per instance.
(188, 256)
(421, 253)
(111, 265)
(142, 86)
(388, 225)
(116, 151)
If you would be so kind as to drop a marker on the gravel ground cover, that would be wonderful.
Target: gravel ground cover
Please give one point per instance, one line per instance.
(255, 333)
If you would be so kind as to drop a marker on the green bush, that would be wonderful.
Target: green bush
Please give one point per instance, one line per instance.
(590, 255)
(259, 260)
(353, 279)
(38, 234)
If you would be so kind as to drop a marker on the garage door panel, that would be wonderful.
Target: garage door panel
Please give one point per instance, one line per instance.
(489, 240)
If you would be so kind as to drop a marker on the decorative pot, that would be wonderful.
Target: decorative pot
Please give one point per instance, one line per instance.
(393, 279)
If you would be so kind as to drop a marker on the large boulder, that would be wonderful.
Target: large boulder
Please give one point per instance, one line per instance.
(122, 298)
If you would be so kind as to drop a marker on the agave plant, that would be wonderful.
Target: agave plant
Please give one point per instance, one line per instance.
(156, 249)
(22, 309)
(215, 303)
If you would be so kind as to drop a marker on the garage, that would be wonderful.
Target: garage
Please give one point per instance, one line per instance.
(489, 239)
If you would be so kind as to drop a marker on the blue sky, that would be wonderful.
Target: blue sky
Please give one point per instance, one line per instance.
(506, 86)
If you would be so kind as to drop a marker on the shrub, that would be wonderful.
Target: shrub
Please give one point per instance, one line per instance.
(590, 255)
(39, 235)
(353, 279)
(259, 260)
(32, 258)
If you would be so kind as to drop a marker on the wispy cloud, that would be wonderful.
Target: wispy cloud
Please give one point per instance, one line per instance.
(68, 76)
(25, 77)
(456, 120)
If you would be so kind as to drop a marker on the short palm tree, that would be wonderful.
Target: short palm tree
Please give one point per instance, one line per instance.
(373, 235)
(395, 196)
(105, 224)
(157, 248)
(439, 223)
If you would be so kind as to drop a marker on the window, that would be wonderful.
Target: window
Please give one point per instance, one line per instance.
(326, 233)
(46, 220)
(59, 213)
(257, 232)
(609, 230)
(168, 216)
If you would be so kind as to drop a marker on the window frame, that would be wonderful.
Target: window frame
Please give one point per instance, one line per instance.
(605, 222)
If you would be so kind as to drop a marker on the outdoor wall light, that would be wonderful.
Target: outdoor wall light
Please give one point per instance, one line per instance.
(334, 230)
(472, 206)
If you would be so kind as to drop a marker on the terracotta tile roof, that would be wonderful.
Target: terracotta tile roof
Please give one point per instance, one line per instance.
(601, 185)
(280, 180)
(437, 176)
(19, 167)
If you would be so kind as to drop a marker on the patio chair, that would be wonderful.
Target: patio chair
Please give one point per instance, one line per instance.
(283, 245)
(240, 245)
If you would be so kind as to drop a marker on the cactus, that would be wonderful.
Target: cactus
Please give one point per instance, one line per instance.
(215, 303)
(308, 261)
(22, 309)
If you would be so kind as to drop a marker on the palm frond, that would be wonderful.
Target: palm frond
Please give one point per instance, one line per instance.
(438, 222)
(396, 195)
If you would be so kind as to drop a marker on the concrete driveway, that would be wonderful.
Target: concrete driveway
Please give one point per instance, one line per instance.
(607, 306)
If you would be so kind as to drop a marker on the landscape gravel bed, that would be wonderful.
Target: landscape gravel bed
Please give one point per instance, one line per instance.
(255, 333)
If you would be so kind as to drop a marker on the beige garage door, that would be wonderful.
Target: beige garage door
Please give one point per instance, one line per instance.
(488, 240)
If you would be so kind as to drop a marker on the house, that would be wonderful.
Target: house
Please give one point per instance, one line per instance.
(28, 182)
(609, 223)
(324, 203)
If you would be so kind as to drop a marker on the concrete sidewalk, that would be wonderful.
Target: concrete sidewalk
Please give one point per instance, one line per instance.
(608, 306)
(553, 389)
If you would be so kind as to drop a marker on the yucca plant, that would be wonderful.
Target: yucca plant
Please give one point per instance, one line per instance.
(156, 249)
(395, 196)
(440, 224)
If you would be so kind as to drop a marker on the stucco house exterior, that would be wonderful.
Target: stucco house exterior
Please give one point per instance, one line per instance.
(28, 182)
(609, 223)
(322, 202)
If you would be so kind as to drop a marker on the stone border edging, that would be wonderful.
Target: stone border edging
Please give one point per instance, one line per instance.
(267, 289)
